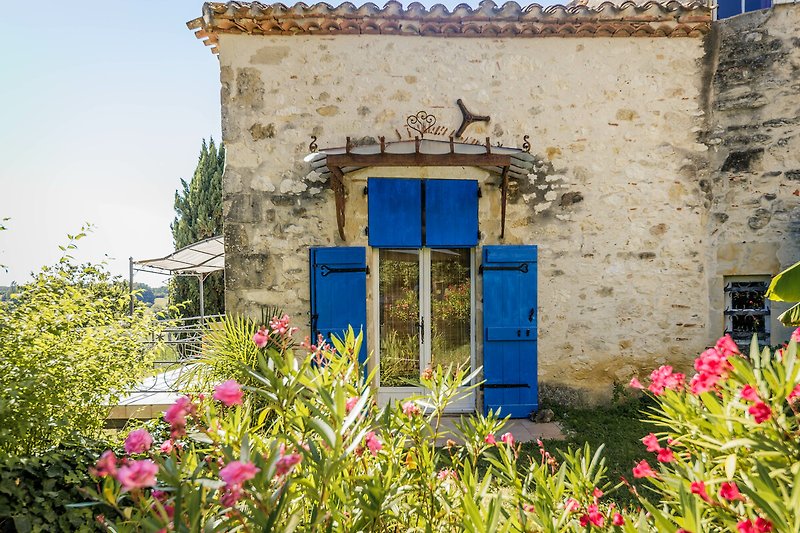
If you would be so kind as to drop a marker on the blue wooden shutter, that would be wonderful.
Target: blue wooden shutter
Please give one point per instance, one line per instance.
(395, 212)
(509, 330)
(451, 213)
(339, 293)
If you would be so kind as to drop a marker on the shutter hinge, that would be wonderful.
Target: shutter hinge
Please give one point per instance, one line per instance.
(366, 190)
(366, 231)
(522, 267)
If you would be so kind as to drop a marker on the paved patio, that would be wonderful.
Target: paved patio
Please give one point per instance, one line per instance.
(523, 430)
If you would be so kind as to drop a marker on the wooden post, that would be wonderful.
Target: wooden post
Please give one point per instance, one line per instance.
(503, 197)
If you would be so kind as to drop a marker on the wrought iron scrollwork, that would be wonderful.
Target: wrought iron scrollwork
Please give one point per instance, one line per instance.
(421, 122)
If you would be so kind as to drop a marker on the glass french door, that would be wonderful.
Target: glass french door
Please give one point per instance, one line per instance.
(425, 302)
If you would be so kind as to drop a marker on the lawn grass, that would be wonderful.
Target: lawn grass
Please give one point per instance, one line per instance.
(618, 426)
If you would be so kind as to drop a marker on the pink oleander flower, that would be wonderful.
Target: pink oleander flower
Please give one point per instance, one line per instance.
(635, 383)
(663, 378)
(794, 394)
(507, 438)
(138, 441)
(749, 394)
(597, 493)
(236, 472)
(228, 392)
(760, 411)
(571, 505)
(584, 520)
(726, 346)
(490, 440)
(651, 442)
(528, 507)
(106, 465)
(166, 446)
(795, 335)
(281, 325)
(351, 402)
(373, 443)
(261, 337)
(703, 383)
(230, 496)
(746, 526)
(618, 520)
(286, 463)
(642, 469)
(699, 488)
(763, 525)
(596, 518)
(411, 409)
(446, 473)
(665, 455)
(712, 362)
(137, 474)
(177, 413)
(729, 491)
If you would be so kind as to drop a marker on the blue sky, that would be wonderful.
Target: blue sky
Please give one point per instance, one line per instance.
(104, 106)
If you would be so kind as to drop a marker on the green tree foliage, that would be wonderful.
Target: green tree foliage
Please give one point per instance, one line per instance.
(198, 216)
(68, 350)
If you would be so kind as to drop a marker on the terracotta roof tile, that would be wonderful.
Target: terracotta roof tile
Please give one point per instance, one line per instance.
(629, 19)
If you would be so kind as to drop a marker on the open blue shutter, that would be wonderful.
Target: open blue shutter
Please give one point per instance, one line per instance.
(339, 293)
(509, 330)
(451, 213)
(395, 212)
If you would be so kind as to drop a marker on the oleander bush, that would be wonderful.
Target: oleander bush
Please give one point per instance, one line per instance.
(321, 455)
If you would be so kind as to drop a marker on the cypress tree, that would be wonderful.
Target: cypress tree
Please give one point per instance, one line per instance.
(198, 216)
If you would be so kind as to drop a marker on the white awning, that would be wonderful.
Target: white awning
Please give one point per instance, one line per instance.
(199, 259)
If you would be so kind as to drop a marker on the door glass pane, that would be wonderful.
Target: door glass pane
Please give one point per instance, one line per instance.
(450, 307)
(399, 317)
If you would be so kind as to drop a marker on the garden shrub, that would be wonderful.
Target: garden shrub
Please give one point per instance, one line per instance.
(35, 490)
(321, 455)
(68, 350)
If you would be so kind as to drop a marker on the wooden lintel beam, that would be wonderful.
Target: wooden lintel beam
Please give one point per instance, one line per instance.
(337, 183)
(503, 199)
(411, 160)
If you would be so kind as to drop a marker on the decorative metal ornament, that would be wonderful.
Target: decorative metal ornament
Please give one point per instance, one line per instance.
(421, 122)
(468, 118)
(525, 144)
(313, 146)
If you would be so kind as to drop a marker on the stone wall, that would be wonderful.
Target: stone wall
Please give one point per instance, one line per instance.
(618, 205)
(754, 158)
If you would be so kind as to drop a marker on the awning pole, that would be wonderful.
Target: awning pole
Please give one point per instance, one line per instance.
(202, 302)
(130, 285)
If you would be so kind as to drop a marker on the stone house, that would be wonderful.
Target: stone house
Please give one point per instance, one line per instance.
(563, 196)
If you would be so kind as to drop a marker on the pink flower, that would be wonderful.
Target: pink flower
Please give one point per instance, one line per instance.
(703, 383)
(763, 525)
(699, 488)
(746, 526)
(411, 409)
(231, 495)
(281, 325)
(166, 446)
(760, 411)
(665, 455)
(373, 443)
(642, 469)
(261, 337)
(571, 505)
(236, 472)
(106, 465)
(749, 394)
(507, 438)
(286, 463)
(489, 439)
(795, 335)
(618, 520)
(229, 392)
(528, 507)
(597, 493)
(584, 520)
(651, 441)
(137, 474)
(596, 518)
(176, 414)
(729, 491)
(726, 346)
(138, 441)
(663, 378)
(795, 392)
(635, 383)
(446, 473)
(351, 402)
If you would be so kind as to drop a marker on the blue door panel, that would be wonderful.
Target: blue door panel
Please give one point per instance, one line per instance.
(339, 293)
(509, 337)
(395, 212)
(451, 213)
